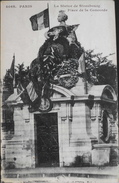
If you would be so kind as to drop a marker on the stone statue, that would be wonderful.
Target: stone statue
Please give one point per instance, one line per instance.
(58, 55)
(71, 36)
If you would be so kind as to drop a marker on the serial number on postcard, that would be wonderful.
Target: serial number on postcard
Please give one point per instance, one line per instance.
(20, 6)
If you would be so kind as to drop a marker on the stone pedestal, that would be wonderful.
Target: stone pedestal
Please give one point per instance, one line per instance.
(80, 124)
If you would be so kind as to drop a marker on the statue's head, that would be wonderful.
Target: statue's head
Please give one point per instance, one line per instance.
(62, 16)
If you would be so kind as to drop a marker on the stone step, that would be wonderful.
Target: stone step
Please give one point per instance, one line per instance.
(34, 175)
(85, 172)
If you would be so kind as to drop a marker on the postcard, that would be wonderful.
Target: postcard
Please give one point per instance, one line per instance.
(59, 92)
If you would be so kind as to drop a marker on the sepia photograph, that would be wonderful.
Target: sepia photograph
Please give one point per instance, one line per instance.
(59, 97)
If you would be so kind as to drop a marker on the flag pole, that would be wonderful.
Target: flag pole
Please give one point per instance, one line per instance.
(85, 77)
(14, 71)
(48, 15)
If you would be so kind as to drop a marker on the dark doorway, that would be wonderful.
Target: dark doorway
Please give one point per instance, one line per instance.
(47, 147)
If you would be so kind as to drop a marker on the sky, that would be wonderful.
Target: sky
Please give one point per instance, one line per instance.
(96, 30)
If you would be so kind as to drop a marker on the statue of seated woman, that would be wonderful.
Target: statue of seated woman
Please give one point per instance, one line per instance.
(61, 51)
(75, 49)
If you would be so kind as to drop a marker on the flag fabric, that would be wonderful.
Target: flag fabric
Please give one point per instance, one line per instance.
(82, 68)
(31, 92)
(40, 20)
(12, 68)
(20, 89)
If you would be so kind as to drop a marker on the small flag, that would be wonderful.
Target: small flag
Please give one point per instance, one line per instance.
(12, 68)
(40, 20)
(31, 92)
(20, 89)
(81, 68)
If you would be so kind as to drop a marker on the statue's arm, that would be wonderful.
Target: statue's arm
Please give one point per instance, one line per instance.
(46, 35)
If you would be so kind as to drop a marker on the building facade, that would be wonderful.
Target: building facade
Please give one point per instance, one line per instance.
(79, 129)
